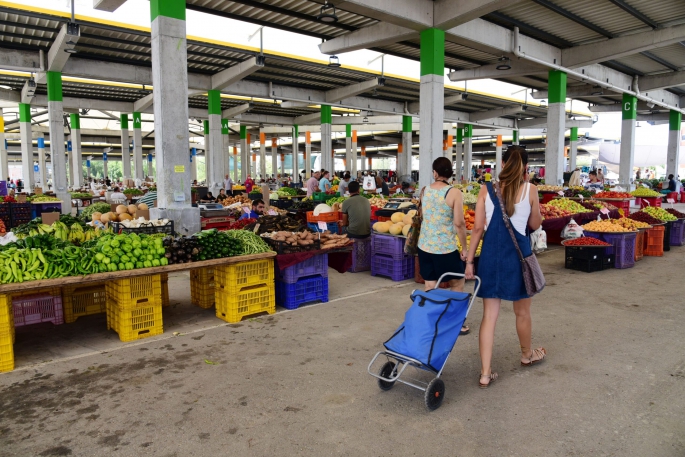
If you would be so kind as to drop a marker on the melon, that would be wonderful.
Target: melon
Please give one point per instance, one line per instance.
(104, 218)
(381, 227)
(132, 209)
(407, 219)
(96, 216)
(395, 229)
(411, 213)
(397, 217)
(121, 209)
(142, 206)
(125, 217)
(113, 217)
(405, 230)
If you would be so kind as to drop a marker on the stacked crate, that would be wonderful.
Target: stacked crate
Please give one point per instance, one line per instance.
(361, 255)
(244, 289)
(134, 307)
(83, 300)
(303, 283)
(20, 213)
(6, 334)
(5, 215)
(388, 257)
(34, 307)
(202, 289)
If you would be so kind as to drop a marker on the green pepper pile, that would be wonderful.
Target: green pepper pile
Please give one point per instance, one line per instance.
(19, 265)
(129, 251)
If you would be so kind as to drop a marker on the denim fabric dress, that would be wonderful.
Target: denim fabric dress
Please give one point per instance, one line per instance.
(499, 267)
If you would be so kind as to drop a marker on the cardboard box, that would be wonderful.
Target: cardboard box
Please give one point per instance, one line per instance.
(38, 190)
(144, 213)
(21, 198)
(113, 207)
(49, 218)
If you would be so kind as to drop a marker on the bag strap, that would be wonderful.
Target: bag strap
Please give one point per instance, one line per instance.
(505, 216)
(419, 207)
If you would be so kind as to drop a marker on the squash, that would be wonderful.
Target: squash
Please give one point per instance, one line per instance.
(411, 213)
(113, 217)
(96, 216)
(395, 229)
(381, 227)
(121, 209)
(397, 217)
(132, 209)
(142, 206)
(104, 218)
(125, 217)
(405, 229)
(407, 219)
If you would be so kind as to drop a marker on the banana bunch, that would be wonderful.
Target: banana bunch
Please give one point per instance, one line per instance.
(76, 233)
(40, 229)
(60, 231)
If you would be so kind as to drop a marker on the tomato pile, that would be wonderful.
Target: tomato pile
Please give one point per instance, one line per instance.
(585, 241)
(608, 194)
(9, 199)
(240, 224)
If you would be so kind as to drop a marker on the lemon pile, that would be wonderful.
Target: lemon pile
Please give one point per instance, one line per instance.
(604, 226)
(468, 243)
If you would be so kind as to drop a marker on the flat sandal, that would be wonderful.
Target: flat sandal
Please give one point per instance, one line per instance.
(492, 377)
(541, 353)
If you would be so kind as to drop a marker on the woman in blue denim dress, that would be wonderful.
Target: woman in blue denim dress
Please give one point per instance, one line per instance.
(500, 266)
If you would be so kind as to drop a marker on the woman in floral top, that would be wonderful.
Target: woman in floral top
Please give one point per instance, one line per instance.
(443, 221)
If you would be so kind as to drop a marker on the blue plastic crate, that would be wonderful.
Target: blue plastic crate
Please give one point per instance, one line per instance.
(314, 266)
(308, 290)
(332, 227)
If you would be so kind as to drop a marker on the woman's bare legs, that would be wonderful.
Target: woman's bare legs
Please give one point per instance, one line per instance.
(487, 335)
(524, 327)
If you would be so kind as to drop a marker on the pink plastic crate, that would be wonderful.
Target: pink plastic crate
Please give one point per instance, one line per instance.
(34, 309)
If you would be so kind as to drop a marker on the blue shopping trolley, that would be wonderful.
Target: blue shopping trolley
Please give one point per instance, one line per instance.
(425, 339)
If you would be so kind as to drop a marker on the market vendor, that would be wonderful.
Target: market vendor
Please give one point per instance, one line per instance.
(672, 185)
(356, 214)
(344, 184)
(117, 196)
(257, 210)
(209, 198)
(594, 183)
(313, 183)
(222, 196)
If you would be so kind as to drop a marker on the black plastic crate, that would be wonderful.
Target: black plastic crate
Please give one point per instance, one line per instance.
(147, 229)
(281, 203)
(586, 265)
(4, 209)
(252, 196)
(20, 210)
(587, 253)
(667, 236)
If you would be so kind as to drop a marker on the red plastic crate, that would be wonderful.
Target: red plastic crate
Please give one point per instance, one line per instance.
(650, 201)
(333, 216)
(34, 309)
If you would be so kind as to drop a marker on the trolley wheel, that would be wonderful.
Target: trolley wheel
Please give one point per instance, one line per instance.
(386, 371)
(435, 392)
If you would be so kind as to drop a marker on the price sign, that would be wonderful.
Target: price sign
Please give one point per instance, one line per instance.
(561, 193)
(581, 197)
(323, 226)
(604, 211)
(670, 200)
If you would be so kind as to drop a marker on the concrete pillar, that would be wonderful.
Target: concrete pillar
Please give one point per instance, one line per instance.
(363, 158)
(262, 155)
(76, 156)
(244, 160)
(556, 116)
(458, 163)
(4, 163)
(215, 159)
(235, 164)
(105, 165)
(515, 138)
(407, 144)
(225, 150)
(26, 145)
(138, 146)
(56, 120)
(432, 101)
(274, 156)
(625, 166)
(348, 146)
(170, 80)
(207, 141)
(573, 148)
(193, 164)
(282, 165)
(498, 158)
(353, 167)
(673, 151)
(307, 155)
(125, 154)
(326, 138)
(42, 169)
(468, 152)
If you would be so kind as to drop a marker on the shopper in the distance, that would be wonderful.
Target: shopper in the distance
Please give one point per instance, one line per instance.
(313, 184)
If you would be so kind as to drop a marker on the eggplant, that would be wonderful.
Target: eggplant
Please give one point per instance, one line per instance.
(180, 261)
(180, 252)
(175, 245)
(167, 255)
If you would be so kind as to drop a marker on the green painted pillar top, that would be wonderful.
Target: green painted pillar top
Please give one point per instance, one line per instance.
(224, 126)
(243, 132)
(296, 131)
(674, 120)
(516, 136)
(348, 131)
(137, 121)
(433, 52)
(205, 125)
(574, 133)
(214, 102)
(460, 135)
(75, 121)
(175, 9)
(406, 123)
(326, 114)
(629, 109)
(124, 122)
(24, 112)
(468, 131)
(557, 87)
(54, 79)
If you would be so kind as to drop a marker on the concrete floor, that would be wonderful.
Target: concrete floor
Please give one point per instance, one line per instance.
(295, 383)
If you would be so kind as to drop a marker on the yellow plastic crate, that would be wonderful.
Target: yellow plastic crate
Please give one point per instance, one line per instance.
(252, 300)
(83, 301)
(138, 322)
(130, 292)
(6, 351)
(6, 316)
(165, 292)
(233, 278)
(202, 287)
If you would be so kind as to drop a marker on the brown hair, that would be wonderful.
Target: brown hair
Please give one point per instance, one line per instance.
(511, 177)
(443, 167)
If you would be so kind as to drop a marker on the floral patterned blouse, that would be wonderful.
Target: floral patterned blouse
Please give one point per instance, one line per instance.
(438, 235)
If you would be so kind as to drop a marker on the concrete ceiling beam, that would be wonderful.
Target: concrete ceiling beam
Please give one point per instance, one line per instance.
(663, 81)
(377, 35)
(657, 117)
(65, 41)
(542, 122)
(413, 14)
(237, 72)
(617, 107)
(341, 93)
(576, 92)
(16, 60)
(495, 113)
(518, 68)
(307, 118)
(451, 100)
(291, 104)
(144, 103)
(235, 111)
(448, 13)
(107, 5)
(357, 120)
(87, 103)
(10, 95)
(615, 48)
(266, 119)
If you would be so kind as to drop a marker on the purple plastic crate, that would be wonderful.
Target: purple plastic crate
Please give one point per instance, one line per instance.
(396, 269)
(314, 266)
(361, 255)
(678, 233)
(623, 246)
(34, 309)
(387, 245)
(308, 290)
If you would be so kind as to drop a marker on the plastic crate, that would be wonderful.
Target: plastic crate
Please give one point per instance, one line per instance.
(384, 219)
(145, 228)
(6, 315)
(37, 308)
(81, 301)
(678, 232)
(233, 278)
(255, 196)
(47, 207)
(640, 245)
(332, 227)
(333, 216)
(654, 241)
(321, 197)
(131, 292)
(387, 245)
(361, 255)
(165, 290)
(136, 322)
(623, 246)
(20, 210)
(233, 307)
(281, 247)
(202, 288)
(374, 217)
(668, 229)
(589, 265)
(650, 201)
(314, 266)
(306, 290)
(4, 209)
(395, 269)
(6, 352)
(281, 203)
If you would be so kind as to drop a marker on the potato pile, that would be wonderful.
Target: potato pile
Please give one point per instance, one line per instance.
(294, 239)
(332, 241)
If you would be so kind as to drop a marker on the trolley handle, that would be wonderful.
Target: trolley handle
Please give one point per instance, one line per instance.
(459, 275)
